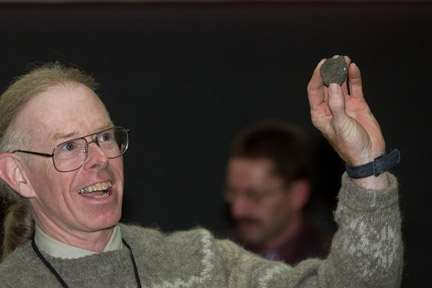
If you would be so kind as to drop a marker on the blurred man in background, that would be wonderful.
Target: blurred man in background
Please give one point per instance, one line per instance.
(268, 187)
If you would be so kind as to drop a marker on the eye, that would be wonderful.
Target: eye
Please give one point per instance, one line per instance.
(69, 146)
(105, 137)
(254, 196)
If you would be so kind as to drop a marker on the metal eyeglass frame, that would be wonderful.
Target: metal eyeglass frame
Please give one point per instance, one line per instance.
(85, 147)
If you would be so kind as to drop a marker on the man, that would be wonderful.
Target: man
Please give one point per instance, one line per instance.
(61, 159)
(267, 188)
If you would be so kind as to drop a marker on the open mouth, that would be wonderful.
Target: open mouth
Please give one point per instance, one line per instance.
(97, 191)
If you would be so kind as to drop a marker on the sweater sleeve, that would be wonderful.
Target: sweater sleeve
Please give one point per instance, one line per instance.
(366, 250)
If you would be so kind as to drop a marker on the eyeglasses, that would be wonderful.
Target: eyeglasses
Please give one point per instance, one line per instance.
(71, 155)
(252, 196)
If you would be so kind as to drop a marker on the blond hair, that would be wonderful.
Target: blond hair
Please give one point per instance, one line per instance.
(18, 224)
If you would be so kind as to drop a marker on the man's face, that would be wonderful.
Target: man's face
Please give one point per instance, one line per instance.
(259, 202)
(60, 114)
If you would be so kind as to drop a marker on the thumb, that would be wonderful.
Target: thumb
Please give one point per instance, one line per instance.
(336, 102)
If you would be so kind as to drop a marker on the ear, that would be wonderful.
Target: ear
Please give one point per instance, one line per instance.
(12, 172)
(299, 191)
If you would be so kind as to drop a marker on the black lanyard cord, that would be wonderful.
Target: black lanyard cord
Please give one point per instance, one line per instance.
(48, 265)
(60, 279)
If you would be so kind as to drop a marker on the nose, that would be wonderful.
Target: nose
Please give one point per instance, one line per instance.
(239, 205)
(95, 156)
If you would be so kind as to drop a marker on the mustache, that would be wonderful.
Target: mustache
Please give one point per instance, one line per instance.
(247, 220)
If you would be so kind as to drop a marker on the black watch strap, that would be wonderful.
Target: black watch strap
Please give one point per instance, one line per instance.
(376, 167)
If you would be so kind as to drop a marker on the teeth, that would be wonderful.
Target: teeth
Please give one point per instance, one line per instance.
(104, 195)
(97, 187)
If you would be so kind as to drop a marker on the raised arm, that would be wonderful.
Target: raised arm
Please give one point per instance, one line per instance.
(367, 249)
(344, 118)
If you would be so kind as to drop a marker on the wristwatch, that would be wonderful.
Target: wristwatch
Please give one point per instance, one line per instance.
(376, 167)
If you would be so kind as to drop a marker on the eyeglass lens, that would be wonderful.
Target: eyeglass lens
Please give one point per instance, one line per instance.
(71, 154)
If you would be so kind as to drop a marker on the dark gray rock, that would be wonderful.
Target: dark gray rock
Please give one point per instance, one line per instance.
(334, 70)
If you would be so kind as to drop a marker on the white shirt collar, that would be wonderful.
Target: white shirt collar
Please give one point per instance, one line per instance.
(56, 248)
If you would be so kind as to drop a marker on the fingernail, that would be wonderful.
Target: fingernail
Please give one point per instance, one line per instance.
(334, 88)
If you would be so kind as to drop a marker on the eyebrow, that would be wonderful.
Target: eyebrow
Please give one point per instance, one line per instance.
(61, 136)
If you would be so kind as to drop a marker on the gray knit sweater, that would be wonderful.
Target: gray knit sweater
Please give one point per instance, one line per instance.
(366, 252)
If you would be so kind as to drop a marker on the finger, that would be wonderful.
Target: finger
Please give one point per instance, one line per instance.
(315, 87)
(344, 83)
(347, 60)
(336, 102)
(355, 82)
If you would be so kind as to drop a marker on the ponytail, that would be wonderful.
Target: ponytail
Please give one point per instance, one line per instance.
(19, 226)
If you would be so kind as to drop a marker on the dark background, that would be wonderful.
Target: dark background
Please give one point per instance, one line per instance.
(186, 77)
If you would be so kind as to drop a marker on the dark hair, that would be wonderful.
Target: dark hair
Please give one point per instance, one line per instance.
(283, 143)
